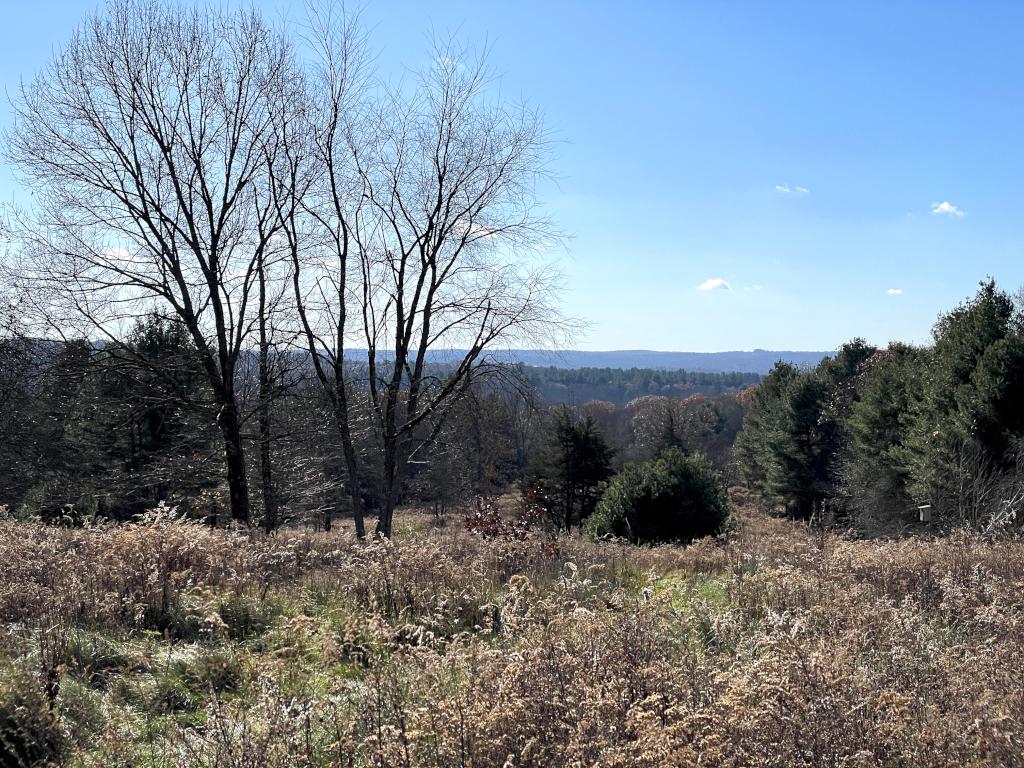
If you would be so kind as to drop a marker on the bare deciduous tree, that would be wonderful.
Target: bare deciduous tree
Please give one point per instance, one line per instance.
(433, 231)
(181, 157)
(447, 249)
(317, 193)
(146, 143)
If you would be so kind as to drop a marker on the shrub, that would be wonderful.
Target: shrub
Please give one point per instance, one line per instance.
(570, 468)
(674, 497)
(29, 732)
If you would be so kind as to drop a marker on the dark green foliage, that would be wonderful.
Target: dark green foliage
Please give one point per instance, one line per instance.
(54, 446)
(161, 380)
(155, 385)
(568, 472)
(877, 433)
(793, 431)
(762, 422)
(971, 404)
(876, 477)
(674, 497)
(94, 431)
(17, 428)
(782, 448)
(799, 476)
(839, 371)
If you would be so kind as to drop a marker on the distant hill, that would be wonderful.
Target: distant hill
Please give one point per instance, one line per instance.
(620, 385)
(756, 361)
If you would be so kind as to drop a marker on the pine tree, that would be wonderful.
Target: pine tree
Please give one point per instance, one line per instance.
(971, 405)
(570, 468)
(876, 477)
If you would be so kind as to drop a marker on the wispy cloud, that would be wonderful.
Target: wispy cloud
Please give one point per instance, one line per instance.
(752, 288)
(713, 284)
(895, 291)
(788, 190)
(946, 208)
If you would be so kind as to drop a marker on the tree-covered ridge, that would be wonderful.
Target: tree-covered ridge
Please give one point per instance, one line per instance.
(620, 385)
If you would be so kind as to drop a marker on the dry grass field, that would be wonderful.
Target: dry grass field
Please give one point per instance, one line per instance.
(169, 644)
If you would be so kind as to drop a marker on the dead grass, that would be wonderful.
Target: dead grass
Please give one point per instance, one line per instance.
(780, 646)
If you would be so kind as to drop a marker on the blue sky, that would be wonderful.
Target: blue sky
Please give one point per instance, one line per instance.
(800, 152)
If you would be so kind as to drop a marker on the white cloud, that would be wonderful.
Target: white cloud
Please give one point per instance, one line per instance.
(946, 208)
(713, 284)
(787, 190)
(895, 291)
(752, 288)
(801, 190)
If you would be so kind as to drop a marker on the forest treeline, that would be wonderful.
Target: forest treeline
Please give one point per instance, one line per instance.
(867, 436)
(620, 385)
(92, 431)
(875, 433)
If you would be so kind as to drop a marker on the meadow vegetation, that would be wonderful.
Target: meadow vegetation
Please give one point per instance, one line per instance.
(165, 643)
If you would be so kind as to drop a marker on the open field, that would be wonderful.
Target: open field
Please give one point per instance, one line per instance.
(175, 645)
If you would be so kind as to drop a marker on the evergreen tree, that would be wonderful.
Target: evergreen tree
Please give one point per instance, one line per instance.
(876, 476)
(971, 404)
(793, 432)
(570, 469)
(757, 443)
(674, 497)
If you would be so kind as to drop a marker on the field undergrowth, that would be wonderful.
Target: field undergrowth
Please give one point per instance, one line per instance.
(170, 644)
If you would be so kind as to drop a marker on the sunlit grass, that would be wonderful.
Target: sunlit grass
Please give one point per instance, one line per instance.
(176, 645)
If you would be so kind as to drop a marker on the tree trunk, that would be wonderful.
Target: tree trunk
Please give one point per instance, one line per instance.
(356, 496)
(351, 460)
(266, 471)
(387, 512)
(328, 519)
(266, 394)
(234, 455)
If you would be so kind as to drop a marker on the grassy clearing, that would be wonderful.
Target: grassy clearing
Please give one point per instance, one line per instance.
(174, 645)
